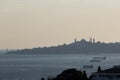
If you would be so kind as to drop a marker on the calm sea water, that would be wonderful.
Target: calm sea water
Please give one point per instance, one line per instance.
(33, 67)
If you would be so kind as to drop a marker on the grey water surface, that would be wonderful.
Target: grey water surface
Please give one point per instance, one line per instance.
(33, 67)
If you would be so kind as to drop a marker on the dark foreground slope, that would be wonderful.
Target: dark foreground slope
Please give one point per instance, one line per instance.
(71, 74)
(82, 46)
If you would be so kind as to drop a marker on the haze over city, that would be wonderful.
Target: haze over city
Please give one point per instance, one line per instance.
(37, 23)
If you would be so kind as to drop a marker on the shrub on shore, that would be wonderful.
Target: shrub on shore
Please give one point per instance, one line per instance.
(71, 74)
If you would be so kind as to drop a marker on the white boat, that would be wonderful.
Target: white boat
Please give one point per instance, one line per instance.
(95, 60)
(100, 58)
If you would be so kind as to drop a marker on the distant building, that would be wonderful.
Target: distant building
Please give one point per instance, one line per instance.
(93, 40)
(75, 40)
(108, 74)
(83, 41)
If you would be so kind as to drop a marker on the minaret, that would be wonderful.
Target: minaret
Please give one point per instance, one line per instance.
(75, 40)
(93, 40)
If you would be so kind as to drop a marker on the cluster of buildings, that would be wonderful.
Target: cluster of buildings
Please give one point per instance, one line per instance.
(92, 40)
(108, 74)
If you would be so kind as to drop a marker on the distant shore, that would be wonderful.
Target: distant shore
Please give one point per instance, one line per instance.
(76, 47)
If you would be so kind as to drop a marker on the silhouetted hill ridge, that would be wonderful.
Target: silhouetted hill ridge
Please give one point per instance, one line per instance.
(82, 46)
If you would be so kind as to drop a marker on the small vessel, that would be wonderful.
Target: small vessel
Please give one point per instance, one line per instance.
(95, 60)
(88, 66)
(101, 58)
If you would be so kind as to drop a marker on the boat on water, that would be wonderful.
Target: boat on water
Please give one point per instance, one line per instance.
(95, 60)
(101, 58)
(88, 66)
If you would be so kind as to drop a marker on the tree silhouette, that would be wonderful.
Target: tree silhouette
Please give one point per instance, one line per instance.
(72, 74)
(99, 69)
(42, 78)
(85, 75)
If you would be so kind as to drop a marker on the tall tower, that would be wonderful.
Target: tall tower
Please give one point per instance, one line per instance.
(93, 40)
(75, 40)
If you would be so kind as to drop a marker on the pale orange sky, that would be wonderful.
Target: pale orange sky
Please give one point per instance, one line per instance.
(37, 23)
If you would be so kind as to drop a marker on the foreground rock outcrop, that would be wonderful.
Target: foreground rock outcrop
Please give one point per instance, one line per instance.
(71, 74)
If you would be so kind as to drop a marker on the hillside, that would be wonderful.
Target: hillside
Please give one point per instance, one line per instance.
(82, 46)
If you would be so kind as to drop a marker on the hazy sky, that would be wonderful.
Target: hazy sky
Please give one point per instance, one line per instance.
(35, 23)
